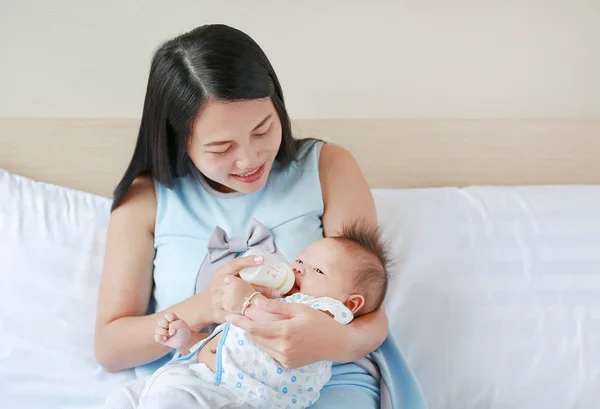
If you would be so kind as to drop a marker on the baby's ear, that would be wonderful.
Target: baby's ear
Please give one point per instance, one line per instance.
(355, 302)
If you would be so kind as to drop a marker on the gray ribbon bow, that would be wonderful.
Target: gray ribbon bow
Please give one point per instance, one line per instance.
(222, 249)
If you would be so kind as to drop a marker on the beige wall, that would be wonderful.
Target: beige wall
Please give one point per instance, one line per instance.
(336, 59)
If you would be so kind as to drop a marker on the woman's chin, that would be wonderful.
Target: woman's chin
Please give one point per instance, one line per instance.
(250, 189)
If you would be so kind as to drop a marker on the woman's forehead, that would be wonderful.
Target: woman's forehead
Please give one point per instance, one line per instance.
(225, 119)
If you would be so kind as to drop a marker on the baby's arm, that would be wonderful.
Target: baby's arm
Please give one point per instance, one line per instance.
(194, 339)
(176, 333)
(330, 306)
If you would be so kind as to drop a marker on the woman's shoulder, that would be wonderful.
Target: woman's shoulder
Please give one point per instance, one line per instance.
(336, 161)
(324, 154)
(139, 203)
(141, 192)
(332, 162)
(332, 153)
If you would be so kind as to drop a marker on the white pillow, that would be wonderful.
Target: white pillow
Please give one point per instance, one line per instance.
(496, 295)
(51, 255)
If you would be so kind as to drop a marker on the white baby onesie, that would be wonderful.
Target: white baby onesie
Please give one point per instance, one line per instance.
(256, 378)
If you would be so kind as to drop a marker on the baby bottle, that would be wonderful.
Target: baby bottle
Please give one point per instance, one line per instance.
(271, 273)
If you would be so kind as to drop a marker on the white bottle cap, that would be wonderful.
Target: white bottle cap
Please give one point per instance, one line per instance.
(289, 281)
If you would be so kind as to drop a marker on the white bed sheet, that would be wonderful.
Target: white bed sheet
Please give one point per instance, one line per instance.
(495, 296)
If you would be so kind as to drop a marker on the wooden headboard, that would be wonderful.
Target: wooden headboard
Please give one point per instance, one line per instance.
(91, 154)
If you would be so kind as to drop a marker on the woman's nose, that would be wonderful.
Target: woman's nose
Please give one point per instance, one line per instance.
(247, 159)
(243, 164)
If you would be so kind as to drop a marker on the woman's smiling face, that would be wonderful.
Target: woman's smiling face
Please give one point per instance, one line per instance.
(234, 144)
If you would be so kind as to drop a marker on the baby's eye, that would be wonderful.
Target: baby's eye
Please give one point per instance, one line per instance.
(299, 262)
(318, 270)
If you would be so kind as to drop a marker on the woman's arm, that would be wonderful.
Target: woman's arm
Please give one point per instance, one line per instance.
(124, 333)
(346, 194)
(347, 197)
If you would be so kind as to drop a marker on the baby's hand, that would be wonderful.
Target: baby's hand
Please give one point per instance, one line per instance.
(173, 332)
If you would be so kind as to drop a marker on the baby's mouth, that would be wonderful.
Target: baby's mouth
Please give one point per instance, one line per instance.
(295, 289)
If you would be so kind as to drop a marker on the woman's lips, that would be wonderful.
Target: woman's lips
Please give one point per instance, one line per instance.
(251, 176)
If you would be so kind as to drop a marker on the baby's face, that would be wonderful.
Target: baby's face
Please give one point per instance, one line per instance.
(324, 269)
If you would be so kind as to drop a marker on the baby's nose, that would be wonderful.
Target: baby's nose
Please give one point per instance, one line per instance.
(298, 269)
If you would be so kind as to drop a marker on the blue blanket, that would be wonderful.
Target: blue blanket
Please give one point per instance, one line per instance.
(399, 386)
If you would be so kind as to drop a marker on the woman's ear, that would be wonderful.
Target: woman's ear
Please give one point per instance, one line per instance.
(355, 302)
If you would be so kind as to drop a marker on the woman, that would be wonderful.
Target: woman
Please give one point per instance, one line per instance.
(215, 148)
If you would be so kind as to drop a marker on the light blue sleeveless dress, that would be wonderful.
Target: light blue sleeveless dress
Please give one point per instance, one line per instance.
(290, 205)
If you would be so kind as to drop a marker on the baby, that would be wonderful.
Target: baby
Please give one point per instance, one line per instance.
(344, 276)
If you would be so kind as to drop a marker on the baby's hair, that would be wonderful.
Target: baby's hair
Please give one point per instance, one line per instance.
(372, 258)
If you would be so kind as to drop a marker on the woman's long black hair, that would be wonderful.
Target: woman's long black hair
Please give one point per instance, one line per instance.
(215, 62)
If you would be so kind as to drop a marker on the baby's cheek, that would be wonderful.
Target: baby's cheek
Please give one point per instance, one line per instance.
(319, 288)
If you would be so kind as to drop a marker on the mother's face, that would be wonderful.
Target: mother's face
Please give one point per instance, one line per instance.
(234, 144)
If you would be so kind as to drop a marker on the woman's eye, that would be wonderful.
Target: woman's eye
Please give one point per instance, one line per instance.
(318, 270)
(219, 152)
(263, 133)
(299, 262)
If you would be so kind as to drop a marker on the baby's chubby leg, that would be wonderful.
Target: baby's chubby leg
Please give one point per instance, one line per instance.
(176, 398)
(183, 399)
(187, 386)
(126, 397)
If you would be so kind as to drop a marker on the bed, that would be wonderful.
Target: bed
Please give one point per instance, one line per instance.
(495, 226)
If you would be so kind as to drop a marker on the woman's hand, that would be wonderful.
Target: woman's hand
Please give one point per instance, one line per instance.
(235, 293)
(296, 335)
(216, 289)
